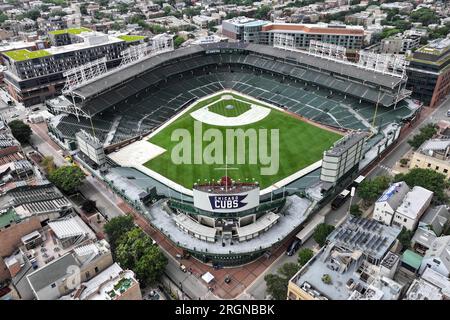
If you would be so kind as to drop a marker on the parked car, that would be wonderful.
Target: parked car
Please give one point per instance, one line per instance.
(293, 247)
(448, 113)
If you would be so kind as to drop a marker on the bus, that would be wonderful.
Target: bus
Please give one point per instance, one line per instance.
(340, 199)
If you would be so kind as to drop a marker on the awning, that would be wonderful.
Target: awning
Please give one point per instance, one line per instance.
(208, 277)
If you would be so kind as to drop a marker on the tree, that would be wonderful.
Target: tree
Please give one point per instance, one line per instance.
(326, 278)
(370, 190)
(277, 283)
(321, 233)
(263, 12)
(88, 206)
(178, 41)
(426, 132)
(58, 13)
(355, 210)
(428, 179)
(424, 15)
(83, 9)
(136, 251)
(3, 17)
(67, 178)
(304, 255)
(276, 286)
(117, 227)
(48, 164)
(405, 237)
(33, 14)
(20, 130)
(150, 267)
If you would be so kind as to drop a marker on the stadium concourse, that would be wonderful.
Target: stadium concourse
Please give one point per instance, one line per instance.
(231, 221)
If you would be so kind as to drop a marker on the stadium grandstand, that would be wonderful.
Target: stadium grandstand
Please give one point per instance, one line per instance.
(137, 98)
(332, 109)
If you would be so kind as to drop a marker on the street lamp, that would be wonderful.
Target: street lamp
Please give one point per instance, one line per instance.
(352, 194)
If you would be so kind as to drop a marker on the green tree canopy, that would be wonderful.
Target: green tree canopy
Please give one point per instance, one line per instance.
(405, 237)
(355, 210)
(263, 12)
(304, 255)
(277, 283)
(135, 251)
(178, 41)
(33, 14)
(321, 233)
(67, 178)
(20, 130)
(117, 227)
(425, 133)
(424, 15)
(370, 190)
(428, 179)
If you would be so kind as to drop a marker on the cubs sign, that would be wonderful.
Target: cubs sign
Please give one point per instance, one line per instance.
(226, 202)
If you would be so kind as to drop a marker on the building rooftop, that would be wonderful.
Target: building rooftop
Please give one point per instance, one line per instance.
(70, 31)
(440, 248)
(394, 194)
(131, 38)
(7, 217)
(412, 259)
(107, 285)
(25, 54)
(64, 264)
(345, 143)
(435, 145)
(414, 202)
(369, 236)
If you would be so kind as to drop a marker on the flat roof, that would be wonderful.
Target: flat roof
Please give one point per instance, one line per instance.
(414, 202)
(412, 259)
(8, 217)
(25, 54)
(70, 31)
(367, 235)
(131, 38)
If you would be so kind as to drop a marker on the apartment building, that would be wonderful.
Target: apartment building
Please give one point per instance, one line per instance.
(433, 154)
(390, 200)
(264, 32)
(113, 283)
(399, 44)
(33, 76)
(429, 72)
(412, 208)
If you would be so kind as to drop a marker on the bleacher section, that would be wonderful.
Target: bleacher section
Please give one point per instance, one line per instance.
(146, 111)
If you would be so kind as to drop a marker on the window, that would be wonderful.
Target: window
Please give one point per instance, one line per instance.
(429, 165)
(445, 170)
(437, 167)
(53, 285)
(404, 220)
(96, 269)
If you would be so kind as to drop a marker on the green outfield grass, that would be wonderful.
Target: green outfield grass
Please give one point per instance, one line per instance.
(221, 107)
(300, 145)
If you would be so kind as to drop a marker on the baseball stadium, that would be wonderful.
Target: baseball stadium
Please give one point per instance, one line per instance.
(159, 120)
